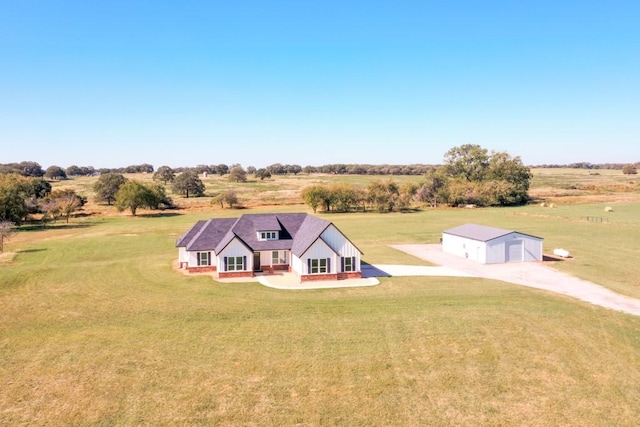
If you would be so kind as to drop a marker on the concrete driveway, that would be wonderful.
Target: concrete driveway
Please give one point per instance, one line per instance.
(532, 274)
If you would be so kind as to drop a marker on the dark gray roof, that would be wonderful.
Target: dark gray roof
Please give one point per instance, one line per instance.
(310, 231)
(266, 223)
(186, 237)
(481, 233)
(208, 235)
(297, 232)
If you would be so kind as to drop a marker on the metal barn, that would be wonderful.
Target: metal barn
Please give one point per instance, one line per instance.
(490, 245)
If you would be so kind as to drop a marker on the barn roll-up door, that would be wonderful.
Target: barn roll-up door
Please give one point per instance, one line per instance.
(514, 250)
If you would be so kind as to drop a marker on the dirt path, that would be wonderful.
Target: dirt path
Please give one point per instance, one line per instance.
(534, 275)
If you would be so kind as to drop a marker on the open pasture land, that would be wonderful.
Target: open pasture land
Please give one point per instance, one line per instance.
(584, 185)
(97, 328)
(552, 185)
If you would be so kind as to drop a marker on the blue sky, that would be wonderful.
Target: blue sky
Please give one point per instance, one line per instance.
(114, 83)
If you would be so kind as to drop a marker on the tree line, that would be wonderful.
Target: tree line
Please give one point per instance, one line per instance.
(587, 165)
(22, 196)
(34, 169)
(470, 175)
(54, 172)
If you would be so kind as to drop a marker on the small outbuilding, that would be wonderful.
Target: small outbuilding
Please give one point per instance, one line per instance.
(491, 245)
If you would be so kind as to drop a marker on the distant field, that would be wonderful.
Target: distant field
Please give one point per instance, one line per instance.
(96, 327)
(551, 185)
(584, 186)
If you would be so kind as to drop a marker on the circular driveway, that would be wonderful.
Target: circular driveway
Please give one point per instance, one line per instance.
(532, 274)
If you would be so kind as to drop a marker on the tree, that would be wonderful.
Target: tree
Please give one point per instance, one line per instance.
(406, 193)
(218, 199)
(344, 197)
(14, 191)
(55, 172)
(222, 169)
(31, 169)
(277, 169)
(474, 177)
(107, 186)
(188, 183)
(38, 188)
(629, 169)
(133, 195)
(383, 195)
(513, 176)
(62, 203)
(434, 187)
(237, 174)
(310, 169)
(468, 161)
(314, 196)
(229, 197)
(294, 169)
(73, 170)
(6, 230)
(251, 170)
(263, 174)
(164, 174)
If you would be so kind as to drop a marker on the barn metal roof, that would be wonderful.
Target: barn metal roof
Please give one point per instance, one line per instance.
(482, 233)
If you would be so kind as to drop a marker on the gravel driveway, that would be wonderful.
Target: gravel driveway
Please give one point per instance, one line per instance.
(531, 274)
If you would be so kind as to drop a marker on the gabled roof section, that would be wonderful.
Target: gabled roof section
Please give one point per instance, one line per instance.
(309, 231)
(481, 233)
(210, 234)
(266, 223)
(189, 235)
(286, 224)
(297, 232)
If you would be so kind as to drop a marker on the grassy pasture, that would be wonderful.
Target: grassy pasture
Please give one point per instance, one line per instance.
(584, 186)
(97, 328)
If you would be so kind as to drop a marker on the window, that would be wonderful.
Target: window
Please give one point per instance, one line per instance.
(348, 264)
(278, 258)
(268, 235)
(204, 258)
(319, 266)
(234, 263)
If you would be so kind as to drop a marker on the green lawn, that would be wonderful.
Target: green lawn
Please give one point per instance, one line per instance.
(97, 328)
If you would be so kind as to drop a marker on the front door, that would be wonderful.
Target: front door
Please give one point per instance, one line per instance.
(256, 262)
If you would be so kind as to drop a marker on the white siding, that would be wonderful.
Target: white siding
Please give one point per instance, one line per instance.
(193, 259)
(297, 265)
(339, 242)
(464, 247)
(235, 248)
(341, 245)
(493, 251)
(183, 255)
(265, 258)
(316, 251)
(532, 248)
(498, 248)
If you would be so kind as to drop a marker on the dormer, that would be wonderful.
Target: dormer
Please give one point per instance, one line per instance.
(268, 235)
(267, 228)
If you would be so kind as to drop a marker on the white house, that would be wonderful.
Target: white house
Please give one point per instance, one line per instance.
(490, 245)
(308, 246)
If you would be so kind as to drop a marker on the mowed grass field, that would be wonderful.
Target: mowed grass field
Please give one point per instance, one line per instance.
(97, 328)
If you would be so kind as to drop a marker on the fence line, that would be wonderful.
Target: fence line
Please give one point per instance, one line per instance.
(596, 219)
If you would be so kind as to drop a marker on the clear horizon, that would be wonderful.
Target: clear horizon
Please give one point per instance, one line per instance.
(256, 83)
